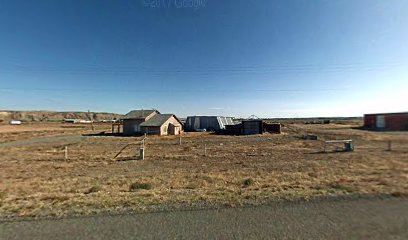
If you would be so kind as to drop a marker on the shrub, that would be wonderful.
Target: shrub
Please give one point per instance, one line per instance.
(248, 182)
(192, 186)
(54, 198)
(341, 187)
(312, 174)
(94, 189)
(137, 185)
(399, 194)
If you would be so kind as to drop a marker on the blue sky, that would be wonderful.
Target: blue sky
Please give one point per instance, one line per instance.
(288, 58)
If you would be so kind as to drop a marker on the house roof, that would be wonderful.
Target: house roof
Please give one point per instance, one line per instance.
(139, 114)
(158, 120)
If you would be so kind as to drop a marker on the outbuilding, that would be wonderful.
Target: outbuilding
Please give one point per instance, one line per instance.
(133, 120)
(162, 124)
(386, 121)
(253, 126)
(210, 123)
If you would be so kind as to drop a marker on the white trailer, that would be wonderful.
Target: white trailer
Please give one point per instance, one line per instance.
(15, 122)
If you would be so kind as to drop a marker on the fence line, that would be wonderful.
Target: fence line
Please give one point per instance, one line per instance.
(208, 145)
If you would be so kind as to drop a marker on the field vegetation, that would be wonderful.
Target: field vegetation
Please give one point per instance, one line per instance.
(204, 170)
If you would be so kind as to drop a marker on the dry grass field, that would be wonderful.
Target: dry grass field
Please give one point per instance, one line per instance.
(205, 169)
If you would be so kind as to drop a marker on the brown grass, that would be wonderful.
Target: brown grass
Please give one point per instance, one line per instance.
(35, 179)
(137, 186)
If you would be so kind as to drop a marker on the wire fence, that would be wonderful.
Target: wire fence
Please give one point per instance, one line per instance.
(200, 145)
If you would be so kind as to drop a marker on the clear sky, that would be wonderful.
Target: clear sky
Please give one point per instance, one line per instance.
(288, 58)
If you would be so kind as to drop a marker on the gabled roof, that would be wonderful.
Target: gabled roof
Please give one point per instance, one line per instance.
(158, 120)
(139, 114)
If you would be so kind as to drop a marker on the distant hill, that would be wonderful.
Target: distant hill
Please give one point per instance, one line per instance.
(49, 116)
(319, 118)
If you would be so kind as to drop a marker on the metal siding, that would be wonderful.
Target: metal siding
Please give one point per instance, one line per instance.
(397, 122)
(393, 121)
(380, 121)
(272, 127)
(214, 123)
(252, 127)
(369, 121)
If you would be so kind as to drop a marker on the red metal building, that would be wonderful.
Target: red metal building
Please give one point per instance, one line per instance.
(387, 121)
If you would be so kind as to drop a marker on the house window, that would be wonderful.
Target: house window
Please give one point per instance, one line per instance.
(165, 129)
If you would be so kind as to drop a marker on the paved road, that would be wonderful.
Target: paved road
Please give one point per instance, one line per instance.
(324, 219)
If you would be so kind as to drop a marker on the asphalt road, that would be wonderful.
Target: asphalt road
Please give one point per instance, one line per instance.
(385, 218)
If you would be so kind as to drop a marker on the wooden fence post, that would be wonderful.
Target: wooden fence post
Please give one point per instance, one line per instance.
(142, 153)
(66, 153)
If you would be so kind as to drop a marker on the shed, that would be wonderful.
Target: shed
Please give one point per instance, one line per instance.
(253, 126)
(386, 121)
(133, 120)
(272, 127)
(210, 123)
(234, 129)
(162, 124)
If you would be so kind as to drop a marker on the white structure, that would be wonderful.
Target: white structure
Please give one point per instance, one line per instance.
(68, 120)
(210, 123)
(15, 122)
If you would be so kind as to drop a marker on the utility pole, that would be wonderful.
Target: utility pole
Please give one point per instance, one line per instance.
(91, 118)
